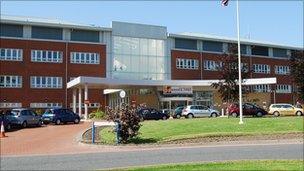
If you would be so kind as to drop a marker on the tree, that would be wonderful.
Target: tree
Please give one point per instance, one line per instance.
(128, 118)
(227, 86)
(297, 71)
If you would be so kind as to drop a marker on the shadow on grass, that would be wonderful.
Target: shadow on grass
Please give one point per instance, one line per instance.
(139, 140)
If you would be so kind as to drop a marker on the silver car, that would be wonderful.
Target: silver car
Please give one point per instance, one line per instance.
(191, 111)
(25, 117)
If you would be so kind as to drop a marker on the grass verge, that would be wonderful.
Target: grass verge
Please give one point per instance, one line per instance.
(174, 130)
(229, 165)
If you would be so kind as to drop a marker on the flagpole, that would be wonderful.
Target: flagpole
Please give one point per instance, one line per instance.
(239, 63)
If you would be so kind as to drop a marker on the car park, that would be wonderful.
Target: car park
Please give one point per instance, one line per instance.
(60, 115)
(23, 117)
(248, 110)
(281, 109)
(178, 112)
(191, 111)
(152, 114)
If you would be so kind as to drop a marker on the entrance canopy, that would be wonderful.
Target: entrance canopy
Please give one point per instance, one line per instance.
(87, 83)
(109, 83)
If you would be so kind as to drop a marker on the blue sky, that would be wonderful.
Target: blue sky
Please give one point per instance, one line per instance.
(272, 21)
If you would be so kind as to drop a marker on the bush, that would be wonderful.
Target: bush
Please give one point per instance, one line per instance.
(39, 111)
(98, 114)
(129, 119)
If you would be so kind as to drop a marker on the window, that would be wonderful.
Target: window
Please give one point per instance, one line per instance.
(46, 56)
(212, 46)
(85, 35)
(45, 105)
(182, 63)
(186, 44)
(283, 88)
(10, 105)
(46, 82)
(261, 88)
(259, 50)
(282, 70)
(91, 105)
(279, 52)
(234, 47)
(7, 54)
(261, 68)
(85, 58)
(10, 81)
(11, 30)
(46, 33)
(212, 65)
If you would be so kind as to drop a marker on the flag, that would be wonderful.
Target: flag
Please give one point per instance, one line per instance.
(225, 2)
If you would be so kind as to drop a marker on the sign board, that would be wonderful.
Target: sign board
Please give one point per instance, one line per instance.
(122, 94)
(177, 90)
(86, 102)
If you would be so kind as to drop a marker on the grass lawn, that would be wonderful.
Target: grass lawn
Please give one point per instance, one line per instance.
(176, 129)
(233, 165)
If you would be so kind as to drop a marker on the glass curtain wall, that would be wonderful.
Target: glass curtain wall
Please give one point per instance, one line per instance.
(139, 58)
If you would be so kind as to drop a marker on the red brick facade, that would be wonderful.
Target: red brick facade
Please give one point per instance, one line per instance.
(27, 68)
(185, 74)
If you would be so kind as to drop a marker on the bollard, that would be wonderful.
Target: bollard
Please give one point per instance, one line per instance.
(222, 112)
(93, 133)
(117, 130)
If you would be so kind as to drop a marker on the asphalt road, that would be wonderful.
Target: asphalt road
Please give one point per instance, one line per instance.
(105, 160)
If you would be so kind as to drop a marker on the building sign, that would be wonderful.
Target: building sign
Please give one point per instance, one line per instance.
(177, 90)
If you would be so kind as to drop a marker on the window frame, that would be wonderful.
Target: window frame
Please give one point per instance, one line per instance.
(9, 54)
(81, 58)
(8, 81)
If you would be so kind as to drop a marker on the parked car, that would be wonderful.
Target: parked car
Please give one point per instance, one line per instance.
(178, 112)
(191, 111)
(6, 123)
(60, 115)
(248, 109)
(285, 109)
(167, 111)
(151, 113)
(23, 117)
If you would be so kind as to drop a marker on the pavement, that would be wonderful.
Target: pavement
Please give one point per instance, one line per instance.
(107, 160)
(49, 139)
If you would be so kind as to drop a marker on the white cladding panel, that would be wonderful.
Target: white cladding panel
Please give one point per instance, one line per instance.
(138, 30)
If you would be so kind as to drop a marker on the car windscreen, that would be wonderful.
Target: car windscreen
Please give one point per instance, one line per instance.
(49, 111)
(15, 112)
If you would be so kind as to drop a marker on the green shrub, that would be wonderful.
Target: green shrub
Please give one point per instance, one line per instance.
(97, 114)
(128, 118)
(39, 111)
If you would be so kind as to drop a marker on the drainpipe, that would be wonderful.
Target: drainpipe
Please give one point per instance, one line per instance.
(66, 74)
(201, 64)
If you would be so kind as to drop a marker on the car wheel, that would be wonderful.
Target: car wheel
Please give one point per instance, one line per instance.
(276, 114)
(24, 124)
(39, 123)
(57, 121)
(190, 116)
(259, 114)
(76, 121)
(214, 115)
(299, 113)
(178, 116)
(164, 117)
(8, 127)
(234, 114)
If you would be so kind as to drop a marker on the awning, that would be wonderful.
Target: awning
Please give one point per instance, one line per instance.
(109, 83)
